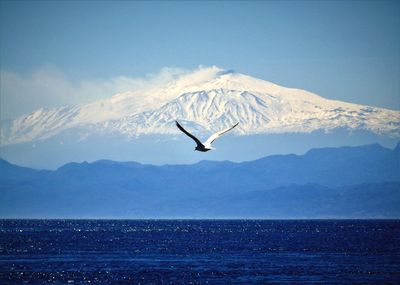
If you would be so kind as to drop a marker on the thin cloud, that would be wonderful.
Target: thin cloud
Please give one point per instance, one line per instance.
(49, 87)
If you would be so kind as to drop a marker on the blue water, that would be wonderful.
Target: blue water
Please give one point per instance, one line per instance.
(199, 251)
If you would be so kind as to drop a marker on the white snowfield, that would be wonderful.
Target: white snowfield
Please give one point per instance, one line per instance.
(203, 98)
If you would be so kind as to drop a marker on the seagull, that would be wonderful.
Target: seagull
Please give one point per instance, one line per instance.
(206, 146)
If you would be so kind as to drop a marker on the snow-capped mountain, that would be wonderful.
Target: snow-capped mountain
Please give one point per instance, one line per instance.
(206, 100)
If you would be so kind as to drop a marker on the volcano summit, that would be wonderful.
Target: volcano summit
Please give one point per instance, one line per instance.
(206, 97)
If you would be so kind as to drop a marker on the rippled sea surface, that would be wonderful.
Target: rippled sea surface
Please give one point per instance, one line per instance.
(199, 251)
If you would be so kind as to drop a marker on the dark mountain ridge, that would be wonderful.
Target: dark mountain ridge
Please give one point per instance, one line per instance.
(341, 182)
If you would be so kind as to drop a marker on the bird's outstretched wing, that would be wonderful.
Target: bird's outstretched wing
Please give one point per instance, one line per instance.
(188, 134)
(213, 137)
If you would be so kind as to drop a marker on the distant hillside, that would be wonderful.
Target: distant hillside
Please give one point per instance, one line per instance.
(346, 182)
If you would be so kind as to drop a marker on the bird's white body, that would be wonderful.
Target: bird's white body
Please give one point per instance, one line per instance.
(206, 146)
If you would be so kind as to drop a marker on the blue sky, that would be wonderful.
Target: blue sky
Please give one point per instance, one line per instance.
(345, 50)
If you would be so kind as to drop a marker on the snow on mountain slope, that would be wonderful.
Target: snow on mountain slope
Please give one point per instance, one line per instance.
(206, 100)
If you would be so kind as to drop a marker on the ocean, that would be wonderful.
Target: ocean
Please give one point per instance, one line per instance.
(199, 251)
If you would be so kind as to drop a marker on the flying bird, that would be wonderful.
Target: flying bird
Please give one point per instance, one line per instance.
(206, 146)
